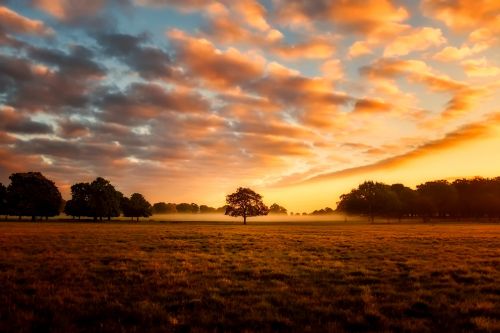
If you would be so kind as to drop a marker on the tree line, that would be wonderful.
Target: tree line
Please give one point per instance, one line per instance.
(463, 198)
(32, 194)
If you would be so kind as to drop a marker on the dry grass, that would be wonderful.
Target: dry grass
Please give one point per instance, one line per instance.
(63, 277)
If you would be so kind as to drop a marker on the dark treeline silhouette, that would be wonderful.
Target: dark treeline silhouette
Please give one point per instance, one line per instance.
(185, 208)
(460, 199)
(30, 194)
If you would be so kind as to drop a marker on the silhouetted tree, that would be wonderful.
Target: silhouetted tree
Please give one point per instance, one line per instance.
(323, 211)
(79, 204)
(3, 201)
(371, 199)
(204, 209)
(245, 203)
(31, 194)
(136, 206)
(164, 208)
(104, 199)
(277, 209)
(407, 201)
(185, 208)
(439, 198)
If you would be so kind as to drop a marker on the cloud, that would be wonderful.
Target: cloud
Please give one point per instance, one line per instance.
(144, 102)
(366, 17)
(66, 10)
(464, 14)
(371, 106)
(10, 21)
(480, 68)
(451, 53)
(466, 133)
(35, 87)
(217, 68)
(417, 40)
(150, 62)
(15, 122)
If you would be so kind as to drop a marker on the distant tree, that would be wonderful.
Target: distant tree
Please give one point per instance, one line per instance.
(136, 206)
(79, 204)
(371, 199)
(164, 208)
(221, 209)
(185, 208)
(3, 201)
(406, 203)
(439, 198)
(104, 199)
(323, 211)
(277, 209)
(31, 194)
(204, 209)
(245, 203)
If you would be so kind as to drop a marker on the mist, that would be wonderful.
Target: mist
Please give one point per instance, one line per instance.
(257, 219)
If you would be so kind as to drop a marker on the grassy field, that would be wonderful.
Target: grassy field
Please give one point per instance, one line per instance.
(209, 276)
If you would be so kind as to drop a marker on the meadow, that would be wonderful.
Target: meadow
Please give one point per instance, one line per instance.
(208, 276)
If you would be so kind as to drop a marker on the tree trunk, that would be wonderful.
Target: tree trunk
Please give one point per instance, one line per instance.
(20, 217)
(109, 218)
(137, 219)
(244, 219)
(46, 218)
(33, 218)
(100, 218)
(95, 218)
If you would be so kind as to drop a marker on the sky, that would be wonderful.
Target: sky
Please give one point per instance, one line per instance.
(184, 101)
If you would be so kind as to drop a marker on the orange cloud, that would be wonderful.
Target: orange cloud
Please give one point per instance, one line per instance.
(466, 133)
(480, 68)
(371, 106)
(465, 14)
(365, 17)
(417, 40)
(227, 69)
(11, 21)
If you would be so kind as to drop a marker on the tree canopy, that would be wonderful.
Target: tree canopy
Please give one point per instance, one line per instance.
(463, 198)
(245, 203)
(136, 206)
(277, 209)
(31, 194)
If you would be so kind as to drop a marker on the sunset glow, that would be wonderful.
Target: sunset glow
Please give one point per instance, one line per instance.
(301, 100)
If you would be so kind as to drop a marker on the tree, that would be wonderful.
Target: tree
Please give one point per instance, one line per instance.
(439, 198)
(3, 201)
(204, 209)
(245, 203)
(370, 199)
(136, 206)
(79, 204)
(104, 199)
(164, 208)
(31, 194)
(277, 209)
(185, 208)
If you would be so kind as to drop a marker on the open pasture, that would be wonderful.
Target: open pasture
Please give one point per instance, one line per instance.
(223, 276)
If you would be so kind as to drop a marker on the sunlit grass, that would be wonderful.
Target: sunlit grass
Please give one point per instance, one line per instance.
(213, 276)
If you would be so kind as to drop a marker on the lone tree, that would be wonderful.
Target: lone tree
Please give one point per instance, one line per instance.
(136, 206)
(31, 194)
(245, 202)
